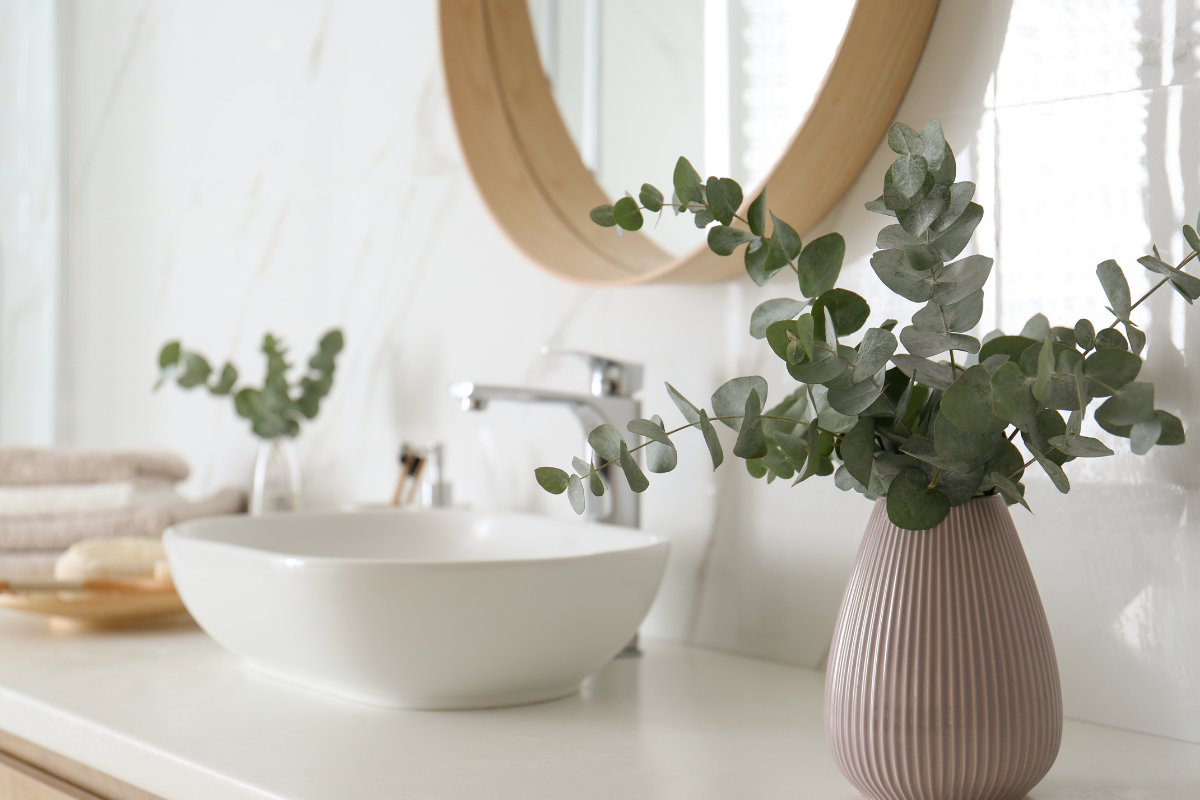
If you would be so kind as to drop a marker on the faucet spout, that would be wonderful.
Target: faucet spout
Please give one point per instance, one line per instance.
(591, 411)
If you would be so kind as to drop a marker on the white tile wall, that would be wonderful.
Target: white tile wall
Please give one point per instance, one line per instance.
(292, 166)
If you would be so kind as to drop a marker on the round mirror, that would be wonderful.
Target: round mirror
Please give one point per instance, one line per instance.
(723, 82)
(562, 105)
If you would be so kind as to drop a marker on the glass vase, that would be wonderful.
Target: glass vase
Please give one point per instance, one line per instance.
(276, 477)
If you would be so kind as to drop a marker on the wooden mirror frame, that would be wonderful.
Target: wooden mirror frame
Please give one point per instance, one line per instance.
(535, 183)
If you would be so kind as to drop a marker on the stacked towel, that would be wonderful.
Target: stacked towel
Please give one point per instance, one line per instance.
(52, 498)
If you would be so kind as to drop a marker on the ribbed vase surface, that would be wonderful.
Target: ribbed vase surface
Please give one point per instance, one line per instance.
(942, 682)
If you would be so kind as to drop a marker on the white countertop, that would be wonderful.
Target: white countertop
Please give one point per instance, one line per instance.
(172, 713)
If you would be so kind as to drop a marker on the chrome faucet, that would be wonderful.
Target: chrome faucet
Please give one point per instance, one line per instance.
(611, 401)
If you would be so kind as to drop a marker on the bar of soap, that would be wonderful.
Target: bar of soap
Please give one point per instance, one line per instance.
(114, 559)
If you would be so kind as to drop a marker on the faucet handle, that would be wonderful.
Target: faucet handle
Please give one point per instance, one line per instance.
(610, 378)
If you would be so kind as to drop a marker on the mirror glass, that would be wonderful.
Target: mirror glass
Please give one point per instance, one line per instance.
(723, 82)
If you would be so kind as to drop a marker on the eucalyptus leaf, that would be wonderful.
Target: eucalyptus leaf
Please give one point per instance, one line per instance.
(1189, 235)
(1012, 396)
(858, 450)
(651, 198)
(689, 411)
(952, 241)
(660, 456)
(858, 397)
(724, 198)
(923, 449)
(960, 487)
(879, 206)
(711, 441)
(687, 182)
(772, 311)
(1137, 339)
(925, 343)
(952, 318)
(1080, 446)
(651, 430)
(917, 219)
(1045, 369)
(1143, 436)
(908, 174)
(1009, 490)
(1131, 404)
(1085, 334)
(606, 441)
(912, 504)
(1109, 368)
(603, 216)
(1187, 285)
(627, 214)
(968, 402)
(876, 348)
(783, 246)
(1112, 278)
(960, 196)
(892, 267)
(961, 279)
(1011, 346)
(756, 264)
(633, 473)
(848, 310)
(723, 239)
(933, 374)
(756, 215)
(820, 264)
(1036, 327)
(1111, 338)
(552, 479)
(1057, 476)
(169, 355)
(750, 441)
(730, 399)
(954, 444)
(575, 494)
(922, 256)
(904, 140)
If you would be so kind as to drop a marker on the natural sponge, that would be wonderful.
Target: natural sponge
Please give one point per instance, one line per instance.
(114, 559)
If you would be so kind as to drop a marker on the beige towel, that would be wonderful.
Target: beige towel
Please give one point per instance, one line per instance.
(33, 465)
(60, 531)
(75, 498)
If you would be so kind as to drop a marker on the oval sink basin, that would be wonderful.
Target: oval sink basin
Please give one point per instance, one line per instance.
(424, 609)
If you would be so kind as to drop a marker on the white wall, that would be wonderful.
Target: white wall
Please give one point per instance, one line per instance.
(291, 166)
(29, 221)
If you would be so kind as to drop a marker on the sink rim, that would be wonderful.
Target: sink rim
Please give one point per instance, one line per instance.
(185, 531)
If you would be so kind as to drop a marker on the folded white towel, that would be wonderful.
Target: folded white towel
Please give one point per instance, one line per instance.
(78, 498)
(32, 465)
(40, 533)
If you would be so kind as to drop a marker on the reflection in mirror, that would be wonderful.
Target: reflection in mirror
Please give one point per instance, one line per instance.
(724, 82)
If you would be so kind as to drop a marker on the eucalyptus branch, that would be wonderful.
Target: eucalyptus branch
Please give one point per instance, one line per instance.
(1155, 288)
(951, 407)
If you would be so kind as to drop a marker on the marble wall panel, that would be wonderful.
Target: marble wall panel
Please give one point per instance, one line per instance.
(293, 166)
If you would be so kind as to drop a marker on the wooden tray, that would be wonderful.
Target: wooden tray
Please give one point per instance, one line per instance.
(98, 608)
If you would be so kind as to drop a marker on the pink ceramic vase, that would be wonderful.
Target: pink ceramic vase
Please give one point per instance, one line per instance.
(942, 681)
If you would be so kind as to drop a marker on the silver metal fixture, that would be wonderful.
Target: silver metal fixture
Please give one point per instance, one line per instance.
(436, 491)
(611, 401)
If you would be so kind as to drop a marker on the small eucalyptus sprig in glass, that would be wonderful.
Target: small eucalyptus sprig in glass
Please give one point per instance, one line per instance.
(278, 407)
(926, 434)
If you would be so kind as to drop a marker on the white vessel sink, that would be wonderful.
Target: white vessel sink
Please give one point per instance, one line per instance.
(425, 609)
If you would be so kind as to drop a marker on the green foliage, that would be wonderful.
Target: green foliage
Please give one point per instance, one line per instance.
(277, 408)
(937, 427)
